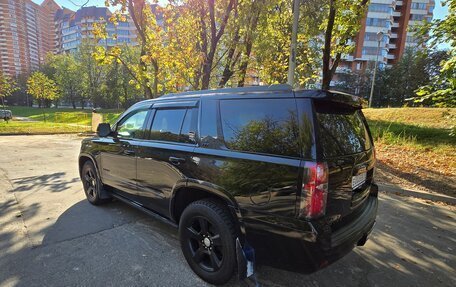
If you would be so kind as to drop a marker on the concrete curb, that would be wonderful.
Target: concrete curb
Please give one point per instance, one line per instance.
(388, 188)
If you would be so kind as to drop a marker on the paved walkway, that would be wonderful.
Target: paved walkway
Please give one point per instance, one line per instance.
(51, 236)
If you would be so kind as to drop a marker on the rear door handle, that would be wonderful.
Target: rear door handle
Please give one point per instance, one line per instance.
(176, 160)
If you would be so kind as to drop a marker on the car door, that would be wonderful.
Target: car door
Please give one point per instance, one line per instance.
(165, 159)
(118, 155)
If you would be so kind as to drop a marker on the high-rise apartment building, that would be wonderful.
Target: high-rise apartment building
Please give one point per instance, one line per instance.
(26, 34)
(394, 19)
(73, 27)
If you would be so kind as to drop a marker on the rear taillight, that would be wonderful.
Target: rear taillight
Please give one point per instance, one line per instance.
(314, 190)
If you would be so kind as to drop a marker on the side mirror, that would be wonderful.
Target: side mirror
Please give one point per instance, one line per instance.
(104, 130)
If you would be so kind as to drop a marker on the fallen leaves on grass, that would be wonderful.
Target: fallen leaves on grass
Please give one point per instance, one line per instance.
(424, 169)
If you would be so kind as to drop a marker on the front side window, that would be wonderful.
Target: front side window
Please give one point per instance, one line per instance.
(262, 126)
(132, 126)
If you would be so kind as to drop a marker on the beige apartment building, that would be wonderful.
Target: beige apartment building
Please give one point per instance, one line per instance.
(27, 34)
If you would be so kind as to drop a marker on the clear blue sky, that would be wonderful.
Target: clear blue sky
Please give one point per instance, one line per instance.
(439, 11)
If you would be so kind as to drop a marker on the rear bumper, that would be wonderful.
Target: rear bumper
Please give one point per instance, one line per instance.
(306, 247)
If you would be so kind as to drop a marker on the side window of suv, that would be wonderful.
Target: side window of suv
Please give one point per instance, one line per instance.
(172, 125)
(132, 126)
(267, 126)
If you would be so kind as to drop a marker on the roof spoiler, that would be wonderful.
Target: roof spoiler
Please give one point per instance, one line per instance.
(335, 97)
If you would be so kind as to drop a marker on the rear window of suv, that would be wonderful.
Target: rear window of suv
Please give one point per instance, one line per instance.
(342, 130)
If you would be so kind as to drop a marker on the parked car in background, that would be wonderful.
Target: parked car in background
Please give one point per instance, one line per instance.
(287, 175)
(6, 115)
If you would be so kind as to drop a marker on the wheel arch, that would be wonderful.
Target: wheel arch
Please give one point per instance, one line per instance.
(184, 195)
(83, 158)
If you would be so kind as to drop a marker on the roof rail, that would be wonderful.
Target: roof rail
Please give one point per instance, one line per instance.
(281, 87)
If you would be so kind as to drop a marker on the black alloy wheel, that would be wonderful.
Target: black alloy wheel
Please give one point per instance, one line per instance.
(92, 184)
(207, 236)
(205, 244)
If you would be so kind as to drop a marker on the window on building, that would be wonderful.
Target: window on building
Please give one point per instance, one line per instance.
(385, 8)
(369, 36)
(417, 17)
(418, 6)
(372, 51)
(376, 22)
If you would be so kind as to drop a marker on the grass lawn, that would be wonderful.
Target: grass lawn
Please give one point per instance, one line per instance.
(52, 120)
(414, 146)
(73, 116)
(419, 128)
(30, 128)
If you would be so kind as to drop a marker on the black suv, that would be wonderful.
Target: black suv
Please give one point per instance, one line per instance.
(282, 176)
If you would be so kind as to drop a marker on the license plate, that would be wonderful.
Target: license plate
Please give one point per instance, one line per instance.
(358, 180)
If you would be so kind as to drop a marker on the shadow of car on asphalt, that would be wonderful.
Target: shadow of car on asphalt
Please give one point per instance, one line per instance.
(117, 242)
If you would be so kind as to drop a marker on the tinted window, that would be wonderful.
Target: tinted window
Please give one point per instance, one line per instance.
(208, 129)
(306, 128)
(342, 131)
(132, 125)
(261, 125)
(167, 124)
(187, 127)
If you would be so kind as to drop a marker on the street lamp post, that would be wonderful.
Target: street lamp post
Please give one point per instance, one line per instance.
(294, 38)
(379, 39)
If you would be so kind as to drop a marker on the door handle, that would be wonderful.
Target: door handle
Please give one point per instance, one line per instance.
(129, 152)
(176, 160)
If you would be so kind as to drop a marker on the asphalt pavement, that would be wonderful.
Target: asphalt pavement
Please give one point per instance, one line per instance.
(51, 236)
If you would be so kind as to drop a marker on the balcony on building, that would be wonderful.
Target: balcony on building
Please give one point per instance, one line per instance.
(348, 57)
(390, 56)
(343, 70)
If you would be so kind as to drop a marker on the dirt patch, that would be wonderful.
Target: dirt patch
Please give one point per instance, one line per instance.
(409, 168)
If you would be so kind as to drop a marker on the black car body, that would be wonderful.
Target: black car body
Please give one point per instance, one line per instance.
(294, 168)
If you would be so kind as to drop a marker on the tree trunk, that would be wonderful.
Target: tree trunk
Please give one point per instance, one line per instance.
(155, 87)
(207, 67)
(248, 40)
(327, 47)
(230, 62)
(245, 63)
(214, 40)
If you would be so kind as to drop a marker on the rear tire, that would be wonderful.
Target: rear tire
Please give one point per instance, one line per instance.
(207, 236)
(92, 184)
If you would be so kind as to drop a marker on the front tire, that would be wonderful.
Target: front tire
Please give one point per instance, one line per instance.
(92, 184)
(207, 236)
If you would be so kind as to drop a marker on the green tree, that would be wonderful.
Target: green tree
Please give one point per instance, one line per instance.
(442, 91)
(92, 74)
(68, 76)
(147, 71)
(272, 45)
(340, 27)
(43, 89)
(397, 85)
(7, 87)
